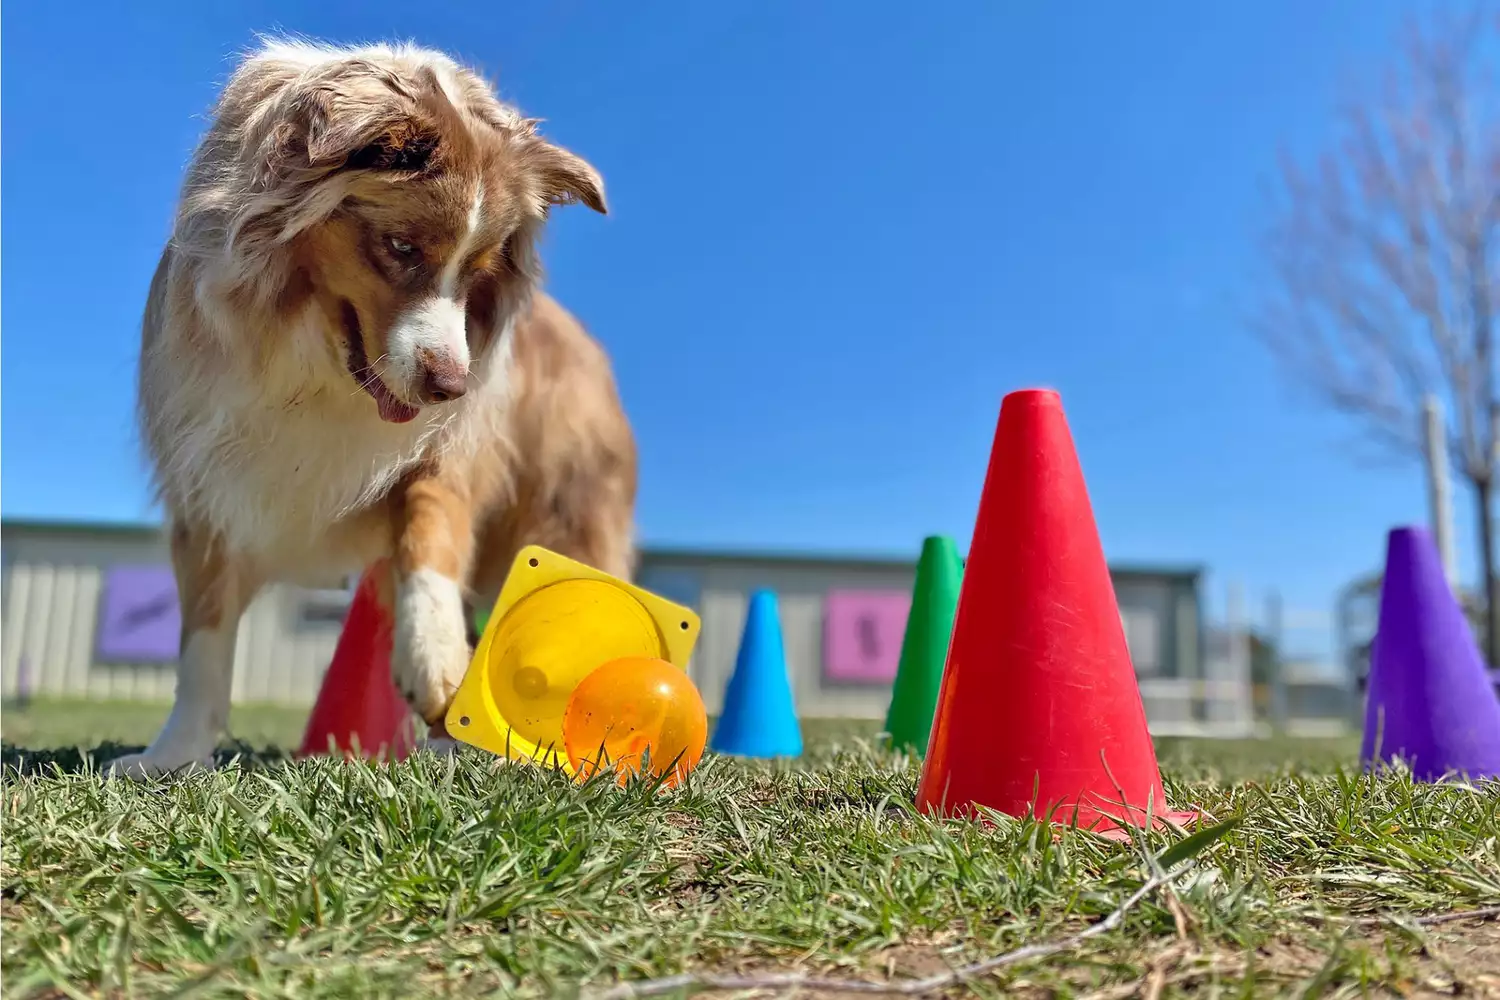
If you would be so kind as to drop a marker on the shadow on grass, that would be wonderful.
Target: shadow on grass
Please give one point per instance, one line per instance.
(21, 761)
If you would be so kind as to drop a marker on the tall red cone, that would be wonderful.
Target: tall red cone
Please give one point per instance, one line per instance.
(358, 702)
(1039, 710)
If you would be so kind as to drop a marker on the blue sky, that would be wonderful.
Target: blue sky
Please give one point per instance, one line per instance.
(841, 231)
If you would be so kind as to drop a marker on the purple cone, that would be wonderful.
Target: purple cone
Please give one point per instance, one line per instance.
(1430, 699)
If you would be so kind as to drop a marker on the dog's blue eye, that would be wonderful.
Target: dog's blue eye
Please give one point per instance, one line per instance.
(400, 247)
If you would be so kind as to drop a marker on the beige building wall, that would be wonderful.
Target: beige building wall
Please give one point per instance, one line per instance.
(51, 595)
(53, 575)
(799, 588)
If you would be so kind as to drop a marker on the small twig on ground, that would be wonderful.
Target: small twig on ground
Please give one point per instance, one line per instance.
(1487, 913)
(910, 987)
(1134, 988)
(1430, 920)
(1161, 965)
(1179, 915)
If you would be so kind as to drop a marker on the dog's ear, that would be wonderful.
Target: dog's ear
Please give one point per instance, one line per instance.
(375, 136)
(565, 177)
(403, 145)
(359, 120)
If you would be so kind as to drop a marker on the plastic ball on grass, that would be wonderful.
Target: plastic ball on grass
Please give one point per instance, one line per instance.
(635, 714)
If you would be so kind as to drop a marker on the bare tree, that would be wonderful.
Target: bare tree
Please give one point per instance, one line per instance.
(1384, 263)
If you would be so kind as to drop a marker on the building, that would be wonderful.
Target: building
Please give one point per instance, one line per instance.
(90, 611)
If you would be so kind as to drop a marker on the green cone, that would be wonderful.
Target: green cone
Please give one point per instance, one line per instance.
(934, 600)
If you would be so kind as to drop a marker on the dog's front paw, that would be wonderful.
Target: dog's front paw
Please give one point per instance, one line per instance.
(431, 648)
(153, 764)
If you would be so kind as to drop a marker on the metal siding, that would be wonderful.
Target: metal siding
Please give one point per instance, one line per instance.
(801, 615)
(1171, 637)
(304, 652)
(12, 636)
(283, 672)
(713, 660)
(799, 589)
(1187, 618)
(80, 613)
(1145, 612)
(53, 579)
(255, 649)
(52, 590)
(17, 599)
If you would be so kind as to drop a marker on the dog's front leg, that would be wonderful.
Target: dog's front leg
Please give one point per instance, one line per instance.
(214, 588)
(434, 545)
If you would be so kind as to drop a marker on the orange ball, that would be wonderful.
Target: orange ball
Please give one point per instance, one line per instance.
(628, 706)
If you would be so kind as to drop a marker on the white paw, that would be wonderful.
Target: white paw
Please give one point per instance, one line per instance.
(153, 764)
(431, 646)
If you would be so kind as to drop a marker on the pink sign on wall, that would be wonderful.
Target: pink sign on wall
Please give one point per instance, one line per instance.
(862, 632)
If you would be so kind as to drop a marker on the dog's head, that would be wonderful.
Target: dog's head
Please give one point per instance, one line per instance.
(402, 199)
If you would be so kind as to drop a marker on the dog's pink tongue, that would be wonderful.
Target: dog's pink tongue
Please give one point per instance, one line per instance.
(393, 410)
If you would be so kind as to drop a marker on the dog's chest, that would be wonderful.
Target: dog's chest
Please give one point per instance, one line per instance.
(280, 483)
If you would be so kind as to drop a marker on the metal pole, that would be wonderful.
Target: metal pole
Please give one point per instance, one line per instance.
(1276, 636)
(1238, 679)
(1435, 447)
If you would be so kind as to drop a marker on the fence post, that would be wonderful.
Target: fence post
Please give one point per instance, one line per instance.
(1276, 636)
(1435, 451)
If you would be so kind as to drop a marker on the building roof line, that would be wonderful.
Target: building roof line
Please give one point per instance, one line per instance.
(650, 553)
(671, 553)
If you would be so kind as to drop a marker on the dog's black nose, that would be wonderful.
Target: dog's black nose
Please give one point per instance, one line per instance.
(442, 379)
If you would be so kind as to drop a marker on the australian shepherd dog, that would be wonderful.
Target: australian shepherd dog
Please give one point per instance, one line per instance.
(347, 365)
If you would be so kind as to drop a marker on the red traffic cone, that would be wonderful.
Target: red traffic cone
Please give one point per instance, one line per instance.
(1039, 710)
(358, 702)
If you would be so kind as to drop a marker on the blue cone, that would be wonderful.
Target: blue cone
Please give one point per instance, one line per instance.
(758, 718)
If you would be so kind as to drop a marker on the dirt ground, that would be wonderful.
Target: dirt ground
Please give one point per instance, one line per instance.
(1459, 958)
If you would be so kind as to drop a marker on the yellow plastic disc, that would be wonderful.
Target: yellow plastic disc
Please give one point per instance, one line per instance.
(554, 622)
(551, 640)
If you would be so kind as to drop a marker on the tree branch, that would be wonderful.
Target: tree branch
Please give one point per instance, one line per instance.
(911, 987)
(1381, 255)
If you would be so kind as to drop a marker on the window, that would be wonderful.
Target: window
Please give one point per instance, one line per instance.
(1143, 636)
(319, 606)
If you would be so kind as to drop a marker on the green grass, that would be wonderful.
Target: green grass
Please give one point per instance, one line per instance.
(55, 724)
(462, 876)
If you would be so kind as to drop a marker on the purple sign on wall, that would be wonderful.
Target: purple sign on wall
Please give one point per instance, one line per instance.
(862, 632)
(139, 617)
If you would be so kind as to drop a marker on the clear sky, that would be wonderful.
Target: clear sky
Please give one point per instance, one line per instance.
(841, 231)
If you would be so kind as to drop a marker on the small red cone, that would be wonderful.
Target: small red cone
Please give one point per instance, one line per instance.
(358, 702)
(1039, 710)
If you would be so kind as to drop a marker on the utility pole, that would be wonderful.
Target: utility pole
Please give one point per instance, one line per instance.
(1276, 637)
(1236, 687)
(1435, 448)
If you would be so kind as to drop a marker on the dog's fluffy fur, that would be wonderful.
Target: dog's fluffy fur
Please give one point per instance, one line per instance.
(346, 364)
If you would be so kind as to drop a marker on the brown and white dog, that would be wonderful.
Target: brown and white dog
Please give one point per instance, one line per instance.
(346, 363)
